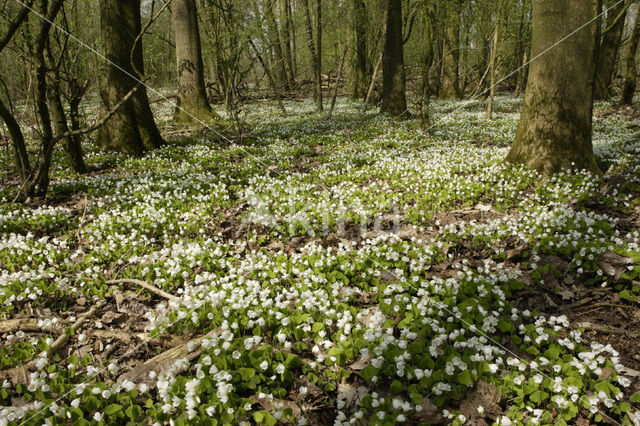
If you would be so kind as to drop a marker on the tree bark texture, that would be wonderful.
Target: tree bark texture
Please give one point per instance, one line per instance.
(393, 77)
(554, 132)
(132, 129)
(313, 57)
(359, 21)
(451, 53)
(276, 45)
(287, 49)
(192, 95)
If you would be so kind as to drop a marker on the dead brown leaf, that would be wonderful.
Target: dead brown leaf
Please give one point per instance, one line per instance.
(485, 395)
(613, 265)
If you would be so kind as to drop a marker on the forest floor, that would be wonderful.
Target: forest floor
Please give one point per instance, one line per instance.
(351, 269)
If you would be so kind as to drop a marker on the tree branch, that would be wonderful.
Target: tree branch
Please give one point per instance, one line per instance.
(100, 122)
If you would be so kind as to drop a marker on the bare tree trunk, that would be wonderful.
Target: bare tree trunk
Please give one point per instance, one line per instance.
(285, 26)
(39, 185)
(272, 83)
(315, 69)
(17, 141)
(521, 48)
(131, 129)
(451, 53)
(371, 85)
(429, 58)
(192, 95)
(609, 47)
(393, 78)
(359, 21)
(492, 64)
(554, 132)
(72, 144)
(521, 75)
(631, 74)
(319, 105)
(276, 46)
(17, 137)
(337, 85)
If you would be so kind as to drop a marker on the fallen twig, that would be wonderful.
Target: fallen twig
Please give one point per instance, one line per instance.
(27, 325)
(161, 363)
(20, 374)
(144, 285)
(62, 340)
(601, 328)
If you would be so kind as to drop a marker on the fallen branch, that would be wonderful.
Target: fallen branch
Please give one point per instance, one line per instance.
(166, 340)
(601, 328)
(161, 363)
(144, 285)
(20, 374)
(64, 337)
(27, 325)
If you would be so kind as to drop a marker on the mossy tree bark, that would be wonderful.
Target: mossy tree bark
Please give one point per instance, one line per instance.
(359, 22)
(451, 53)
(609, 50)
(554, 132)
(132, 129)
(192, 96)
(393, 78)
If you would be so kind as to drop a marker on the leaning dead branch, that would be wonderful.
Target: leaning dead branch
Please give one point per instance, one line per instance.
(144, 285)
(161, 363)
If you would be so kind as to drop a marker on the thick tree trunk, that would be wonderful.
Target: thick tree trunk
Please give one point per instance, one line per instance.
(451, 53)
(359, 21)
(192, 95)
(554, 132)
(609, 50)
(131, 129)
(393, 78)
(631, 73)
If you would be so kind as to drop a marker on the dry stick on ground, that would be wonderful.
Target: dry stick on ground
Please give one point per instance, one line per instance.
(165, 360)
(19, 374)
(62, 340)
(601, 328)
(144, 285)
(28, 325)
